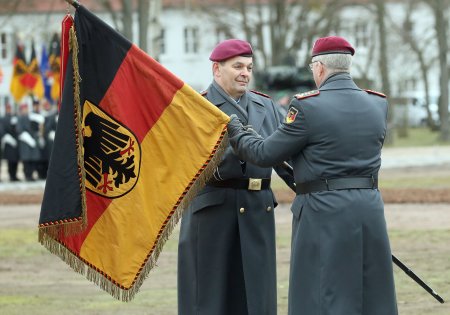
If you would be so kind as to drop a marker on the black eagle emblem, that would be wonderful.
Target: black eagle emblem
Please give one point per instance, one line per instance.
(111, 154)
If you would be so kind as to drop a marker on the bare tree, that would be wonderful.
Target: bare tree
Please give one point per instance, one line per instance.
(290, 25)
(147, 11)
(439, 7)
(418, 47)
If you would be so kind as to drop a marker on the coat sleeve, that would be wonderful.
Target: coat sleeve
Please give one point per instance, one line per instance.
(286, 175)
(289, 139)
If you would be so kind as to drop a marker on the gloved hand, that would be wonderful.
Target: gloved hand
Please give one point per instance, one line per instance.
(235, 126)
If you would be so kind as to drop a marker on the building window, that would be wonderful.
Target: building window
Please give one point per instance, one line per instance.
(221, 34)
(191, 39)
(361, 35)
(3, 46)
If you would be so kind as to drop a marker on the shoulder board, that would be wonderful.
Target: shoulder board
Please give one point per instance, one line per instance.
(375, 93)
(259, 93)
(307, 94)
(203, 93)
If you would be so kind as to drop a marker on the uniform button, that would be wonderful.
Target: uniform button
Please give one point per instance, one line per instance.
(242, 210)
(269, 209)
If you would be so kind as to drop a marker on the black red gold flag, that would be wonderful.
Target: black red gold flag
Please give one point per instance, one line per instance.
(33, 78)
(54, 65)
(20, 69)
(134, 145)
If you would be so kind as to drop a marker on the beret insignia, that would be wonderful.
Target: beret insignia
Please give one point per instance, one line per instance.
(307, 94)
(291, 115)
(375, 93)
(259, 93)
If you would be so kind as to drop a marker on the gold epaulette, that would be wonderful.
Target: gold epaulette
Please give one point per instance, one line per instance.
(307, 94)
(375, 93)
(260, 93)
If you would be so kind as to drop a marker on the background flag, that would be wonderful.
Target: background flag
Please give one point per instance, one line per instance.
(33, 79)
(54, 60)
(134, 145)
(45, 73)
(17, 87)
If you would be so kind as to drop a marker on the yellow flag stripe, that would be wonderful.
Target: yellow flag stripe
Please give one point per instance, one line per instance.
(173, 153)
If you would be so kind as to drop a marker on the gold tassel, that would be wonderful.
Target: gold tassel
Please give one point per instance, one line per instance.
(73, 43)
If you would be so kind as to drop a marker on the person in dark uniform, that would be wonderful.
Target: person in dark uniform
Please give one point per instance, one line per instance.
(51, 121)
(2, 133)
(341, 258)
(226, 253)
(10, 142)
(29, 128)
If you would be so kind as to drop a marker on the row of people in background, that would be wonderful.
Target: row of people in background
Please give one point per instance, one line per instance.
(27, 136)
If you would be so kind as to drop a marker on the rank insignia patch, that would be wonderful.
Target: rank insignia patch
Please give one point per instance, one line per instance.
(291, 115)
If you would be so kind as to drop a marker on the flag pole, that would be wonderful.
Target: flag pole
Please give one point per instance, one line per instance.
(74, 3)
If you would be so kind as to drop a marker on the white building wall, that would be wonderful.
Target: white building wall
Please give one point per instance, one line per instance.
(195, 68)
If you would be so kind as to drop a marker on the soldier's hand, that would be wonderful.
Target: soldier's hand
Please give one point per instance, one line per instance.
(252, 131)
(235, 126)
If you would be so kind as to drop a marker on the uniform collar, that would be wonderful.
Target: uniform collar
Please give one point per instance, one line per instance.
(338, 81)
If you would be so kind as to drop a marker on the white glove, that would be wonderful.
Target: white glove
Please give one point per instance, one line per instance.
(28, 139)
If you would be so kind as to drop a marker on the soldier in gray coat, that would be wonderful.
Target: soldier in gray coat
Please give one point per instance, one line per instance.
(341, 258)
(226, 254)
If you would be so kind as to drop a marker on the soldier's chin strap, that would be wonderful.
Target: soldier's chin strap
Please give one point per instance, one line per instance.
(395, 260)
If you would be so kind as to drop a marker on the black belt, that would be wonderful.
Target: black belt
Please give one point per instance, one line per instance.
(358, 182)
(243, 183)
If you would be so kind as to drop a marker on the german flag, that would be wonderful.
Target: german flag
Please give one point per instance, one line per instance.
(17, 88)
(32, 79)
(54, 61)
(134, 145)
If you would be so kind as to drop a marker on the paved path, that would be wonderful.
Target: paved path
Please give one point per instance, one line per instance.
(417, 156)
(391, 158)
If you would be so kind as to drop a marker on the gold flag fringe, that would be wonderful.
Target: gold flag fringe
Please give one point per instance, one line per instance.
(104, 281)
(74, 225)
(73, 44)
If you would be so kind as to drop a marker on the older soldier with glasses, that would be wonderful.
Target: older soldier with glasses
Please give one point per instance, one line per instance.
(341, 258)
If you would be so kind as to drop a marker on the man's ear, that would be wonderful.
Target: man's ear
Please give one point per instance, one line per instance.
(216, 69)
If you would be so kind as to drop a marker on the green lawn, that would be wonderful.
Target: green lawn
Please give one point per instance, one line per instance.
(37, 282)
(417, 137)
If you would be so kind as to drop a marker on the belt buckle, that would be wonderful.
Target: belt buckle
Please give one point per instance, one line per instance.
(254, 183)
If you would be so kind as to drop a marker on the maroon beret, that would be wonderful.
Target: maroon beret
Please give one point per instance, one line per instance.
(231, 48)
(332, 45)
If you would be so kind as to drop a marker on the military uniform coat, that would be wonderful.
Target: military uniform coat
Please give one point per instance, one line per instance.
(341, 258)
(11, 148)
(226, 255)
(29, 150)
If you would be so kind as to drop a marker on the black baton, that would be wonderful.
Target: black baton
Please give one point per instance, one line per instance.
(396, 261)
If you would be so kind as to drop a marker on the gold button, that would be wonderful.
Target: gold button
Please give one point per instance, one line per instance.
(241, 210)
(269, 209)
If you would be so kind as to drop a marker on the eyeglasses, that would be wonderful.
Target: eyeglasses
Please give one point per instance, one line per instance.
(311, 65)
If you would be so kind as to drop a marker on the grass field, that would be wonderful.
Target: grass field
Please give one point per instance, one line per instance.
(35, 282)
(417, 137)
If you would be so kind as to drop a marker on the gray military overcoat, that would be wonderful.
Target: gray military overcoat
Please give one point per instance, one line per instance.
(226, 255)
(341, 258)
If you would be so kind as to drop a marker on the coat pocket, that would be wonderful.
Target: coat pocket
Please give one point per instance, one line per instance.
(208, 199)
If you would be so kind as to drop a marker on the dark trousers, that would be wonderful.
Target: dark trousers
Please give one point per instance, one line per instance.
(12, 170)
(28, 169)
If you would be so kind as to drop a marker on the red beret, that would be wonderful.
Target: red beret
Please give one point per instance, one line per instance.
(332, 45)
(231, 48)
